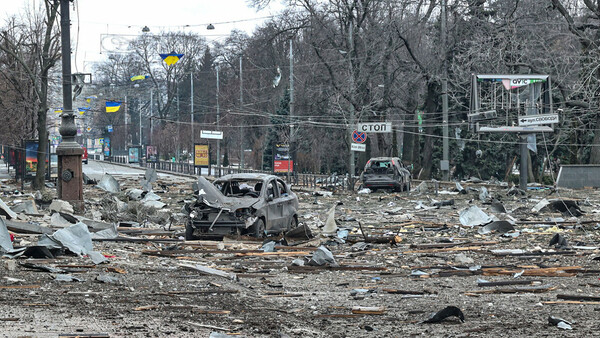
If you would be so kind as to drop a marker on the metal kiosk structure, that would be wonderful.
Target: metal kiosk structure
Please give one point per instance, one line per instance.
(525, 99)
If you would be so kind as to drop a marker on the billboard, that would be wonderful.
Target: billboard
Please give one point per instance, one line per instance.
(281, 158)
(134, 154)
(151, 154)
(106, 146)
(31, 162)
(201, 155)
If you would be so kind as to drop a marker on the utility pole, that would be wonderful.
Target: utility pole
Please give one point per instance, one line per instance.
(241, 124)
(291, 149)
(351, 123)
(140, 119)
(151, 116)
(177, 149)
(523, 170)
(218, 127)
(192, 106)
(445, 163)
(126, 127)
(70, 181)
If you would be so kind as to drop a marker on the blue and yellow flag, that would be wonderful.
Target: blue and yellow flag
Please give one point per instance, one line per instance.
(83, 110)
(89, 98)
(139, 77)
(112, 106)
(58, 110)
(171, 58)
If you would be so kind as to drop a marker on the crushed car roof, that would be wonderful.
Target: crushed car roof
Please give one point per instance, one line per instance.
(245, 176)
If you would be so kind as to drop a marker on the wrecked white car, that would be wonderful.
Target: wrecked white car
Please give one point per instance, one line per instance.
(253, 204)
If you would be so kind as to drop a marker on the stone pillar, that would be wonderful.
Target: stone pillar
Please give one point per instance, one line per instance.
(70, 173)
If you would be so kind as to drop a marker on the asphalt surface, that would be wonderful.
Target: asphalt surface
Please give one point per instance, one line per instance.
(95, 169)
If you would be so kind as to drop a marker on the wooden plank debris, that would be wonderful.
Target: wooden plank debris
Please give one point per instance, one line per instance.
(210, 271)
(466, 248)
(34, 286)
(509, 282)
(532, 289)
(579, 298)
(569, 302)
(363, 310)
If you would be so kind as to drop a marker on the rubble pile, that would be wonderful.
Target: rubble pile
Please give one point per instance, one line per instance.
(465, 258)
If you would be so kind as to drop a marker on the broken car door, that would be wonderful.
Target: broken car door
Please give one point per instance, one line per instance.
(274, 207)
(286, 200)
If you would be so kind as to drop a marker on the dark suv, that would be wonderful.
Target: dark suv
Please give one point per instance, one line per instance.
(385, 173)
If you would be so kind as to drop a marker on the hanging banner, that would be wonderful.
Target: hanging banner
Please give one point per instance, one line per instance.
(201, 155)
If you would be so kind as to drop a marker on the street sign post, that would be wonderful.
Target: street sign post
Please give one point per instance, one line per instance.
(533, 120)
(210, 134)
(375, 127)
(519, 130)
(358, 147)
(359, 137)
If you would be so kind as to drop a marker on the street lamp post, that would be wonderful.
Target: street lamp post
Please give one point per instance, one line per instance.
(70, 182)
(218, 127)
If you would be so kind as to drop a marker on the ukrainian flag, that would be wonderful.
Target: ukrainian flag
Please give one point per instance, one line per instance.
(83, 110)
(58, 110)
(139, 77)
(171, 58)
(89, 98)
(112, 106)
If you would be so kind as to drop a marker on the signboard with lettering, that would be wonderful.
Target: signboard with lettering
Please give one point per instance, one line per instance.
(210, 134)
(375, 127)
(201, 155)
(358, 147)
(282, 161)
(532, 120)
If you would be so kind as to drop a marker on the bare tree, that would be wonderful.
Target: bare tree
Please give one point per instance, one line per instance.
(34, 44)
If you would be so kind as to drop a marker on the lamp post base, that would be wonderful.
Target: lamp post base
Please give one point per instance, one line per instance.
(70, 175)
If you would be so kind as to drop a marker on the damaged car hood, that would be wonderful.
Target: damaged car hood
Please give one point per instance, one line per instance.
(212, 197)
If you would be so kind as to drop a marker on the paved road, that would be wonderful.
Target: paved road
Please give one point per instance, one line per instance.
(95, 170)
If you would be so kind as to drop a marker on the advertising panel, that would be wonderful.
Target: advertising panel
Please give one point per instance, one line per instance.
(281, 158)
(134, 154)
(201, 155)
(151, 154)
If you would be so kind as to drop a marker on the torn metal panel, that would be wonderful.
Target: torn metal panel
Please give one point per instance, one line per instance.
(5, 241)
(473, 216)
(109, 183)
(76, 238)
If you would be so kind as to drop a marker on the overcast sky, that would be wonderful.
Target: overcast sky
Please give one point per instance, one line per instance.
(128, 17)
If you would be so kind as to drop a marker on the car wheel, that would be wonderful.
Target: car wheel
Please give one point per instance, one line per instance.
(293, 223)
(189, 232)
(259, 228)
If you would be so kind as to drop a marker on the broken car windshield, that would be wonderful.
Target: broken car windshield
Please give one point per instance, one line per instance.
(240, 188)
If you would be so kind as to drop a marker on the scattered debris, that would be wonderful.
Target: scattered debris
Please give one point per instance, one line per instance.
(500, 227)
(27, 207)
(560, 323)
(558, 241)
(449, 311)
(109, 183)
(473, 216)
(322, 256)
(5, 239)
